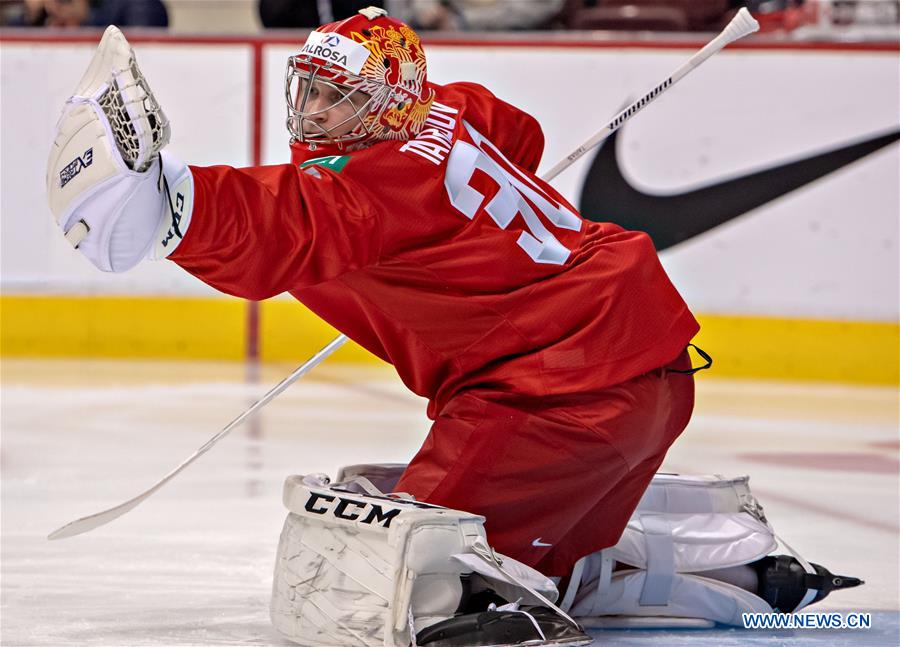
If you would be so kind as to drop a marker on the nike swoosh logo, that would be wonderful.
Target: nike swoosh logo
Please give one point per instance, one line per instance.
(671, 219)
(537, 543)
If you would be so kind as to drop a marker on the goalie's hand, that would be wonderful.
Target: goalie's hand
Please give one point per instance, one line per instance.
(116, 196)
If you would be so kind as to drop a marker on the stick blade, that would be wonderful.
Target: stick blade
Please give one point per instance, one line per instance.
(88, 523)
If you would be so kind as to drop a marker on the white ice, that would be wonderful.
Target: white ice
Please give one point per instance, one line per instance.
(192, 565)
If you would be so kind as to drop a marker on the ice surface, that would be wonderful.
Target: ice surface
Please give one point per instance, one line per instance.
(192, 565)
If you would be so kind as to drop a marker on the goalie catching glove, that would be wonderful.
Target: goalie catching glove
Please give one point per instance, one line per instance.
(116, 196)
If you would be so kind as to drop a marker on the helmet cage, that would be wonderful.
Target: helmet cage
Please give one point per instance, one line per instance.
(302, 74)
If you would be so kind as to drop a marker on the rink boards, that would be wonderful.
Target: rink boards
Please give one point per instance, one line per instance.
(803, 286)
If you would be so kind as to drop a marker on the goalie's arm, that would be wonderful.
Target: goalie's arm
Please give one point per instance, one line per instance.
(258, 232)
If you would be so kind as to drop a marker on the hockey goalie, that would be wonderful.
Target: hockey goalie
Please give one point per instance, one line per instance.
(553, 352)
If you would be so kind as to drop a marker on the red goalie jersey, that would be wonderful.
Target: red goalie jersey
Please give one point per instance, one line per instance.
(445, 256)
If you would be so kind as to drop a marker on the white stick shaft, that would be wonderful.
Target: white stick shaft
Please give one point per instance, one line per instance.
(741, 25)
(88, 523)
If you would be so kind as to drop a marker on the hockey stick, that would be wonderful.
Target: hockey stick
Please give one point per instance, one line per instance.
(90, 522)
(742, 24)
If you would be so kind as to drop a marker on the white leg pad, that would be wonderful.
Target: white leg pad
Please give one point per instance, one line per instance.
(356, 569)
(682, 526)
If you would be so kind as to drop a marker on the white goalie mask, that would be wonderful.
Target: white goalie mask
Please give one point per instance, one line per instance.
(321, 109)
(357, 80)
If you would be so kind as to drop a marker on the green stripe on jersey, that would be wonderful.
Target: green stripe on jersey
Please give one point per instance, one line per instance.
(334, 162)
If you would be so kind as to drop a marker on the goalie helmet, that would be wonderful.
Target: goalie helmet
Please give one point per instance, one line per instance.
(370, 65)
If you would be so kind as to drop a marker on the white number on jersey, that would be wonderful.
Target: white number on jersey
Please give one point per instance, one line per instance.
(538, 242)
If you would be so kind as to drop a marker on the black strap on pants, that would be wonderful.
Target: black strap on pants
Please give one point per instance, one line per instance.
(702, 353)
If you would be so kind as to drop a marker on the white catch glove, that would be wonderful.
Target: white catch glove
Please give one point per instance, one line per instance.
(117, 198)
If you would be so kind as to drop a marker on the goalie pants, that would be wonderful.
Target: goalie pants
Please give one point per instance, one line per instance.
(557, 477)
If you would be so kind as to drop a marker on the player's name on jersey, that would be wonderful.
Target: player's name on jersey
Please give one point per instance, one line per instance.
(436, 138)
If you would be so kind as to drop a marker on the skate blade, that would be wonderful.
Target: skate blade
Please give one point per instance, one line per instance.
(546, 643)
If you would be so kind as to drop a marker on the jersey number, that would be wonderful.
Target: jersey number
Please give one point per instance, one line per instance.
(538, 242)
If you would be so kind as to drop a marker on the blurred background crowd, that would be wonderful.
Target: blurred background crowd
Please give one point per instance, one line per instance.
(450, 15)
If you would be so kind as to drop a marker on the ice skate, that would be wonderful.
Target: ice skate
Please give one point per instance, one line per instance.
(784, 583)
(505, 626)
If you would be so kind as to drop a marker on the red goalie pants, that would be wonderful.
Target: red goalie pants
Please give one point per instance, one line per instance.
(557, 478)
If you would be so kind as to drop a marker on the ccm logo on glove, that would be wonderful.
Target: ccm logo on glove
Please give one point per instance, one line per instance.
(177, 212)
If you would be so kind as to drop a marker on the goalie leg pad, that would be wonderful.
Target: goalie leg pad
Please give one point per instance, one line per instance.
(684, 528)
(356, 569)
(367, 569)
(681, 527)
